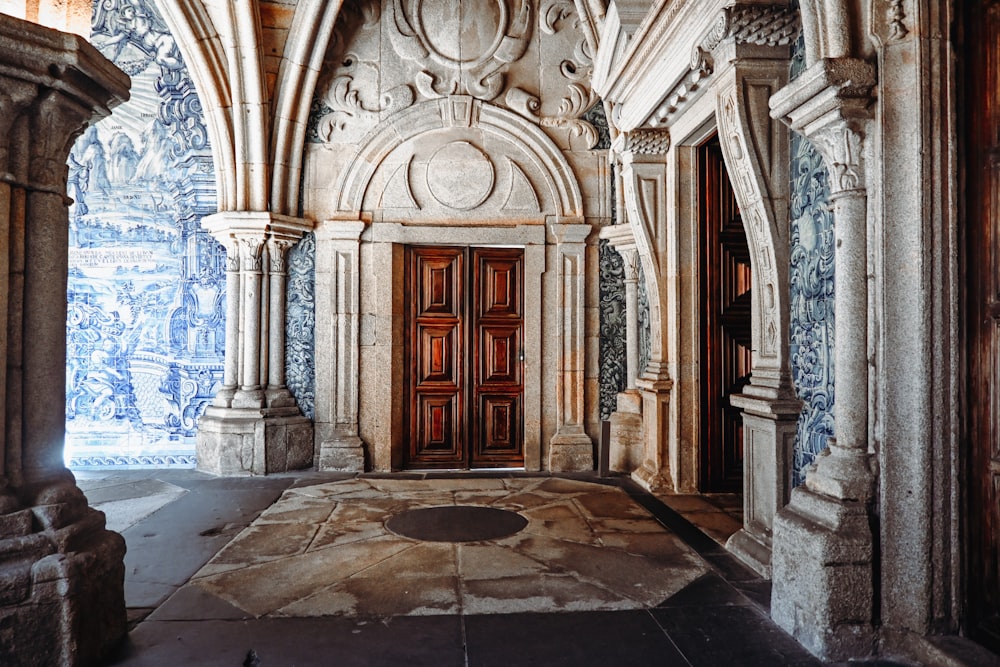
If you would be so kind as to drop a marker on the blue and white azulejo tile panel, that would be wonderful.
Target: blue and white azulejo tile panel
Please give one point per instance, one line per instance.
(146, 297)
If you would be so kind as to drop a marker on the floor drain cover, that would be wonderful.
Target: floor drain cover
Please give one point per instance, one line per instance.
(456, 523)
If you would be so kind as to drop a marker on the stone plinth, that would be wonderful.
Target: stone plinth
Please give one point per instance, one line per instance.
(626, 432)
(822, 575)
(232, 441)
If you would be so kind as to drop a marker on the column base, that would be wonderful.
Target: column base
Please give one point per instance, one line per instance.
(345, 453)
(626, 433)
(752, 550)
(234, 442)
(62, 586)
(654, 481)
(571, 452)
(822, 563)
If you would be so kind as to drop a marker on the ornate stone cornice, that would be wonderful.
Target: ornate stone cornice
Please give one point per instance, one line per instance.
(830, 104)
(643, 142)
(757, 25)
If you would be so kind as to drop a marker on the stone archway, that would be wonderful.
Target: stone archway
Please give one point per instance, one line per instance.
(396, 191)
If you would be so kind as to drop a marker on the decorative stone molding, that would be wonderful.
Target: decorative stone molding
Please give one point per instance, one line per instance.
(739, 24)
(560, 188)
(415, 33)
(643, 142)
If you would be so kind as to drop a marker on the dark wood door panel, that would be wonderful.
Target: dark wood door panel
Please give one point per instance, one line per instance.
(500, 362)
(464, 357)
(438, 281)
(499, 282)
(725, 322)
(499, 440)
(982, 301)
(438, 354)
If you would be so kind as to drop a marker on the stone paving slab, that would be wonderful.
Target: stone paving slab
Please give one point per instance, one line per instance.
(324, 550)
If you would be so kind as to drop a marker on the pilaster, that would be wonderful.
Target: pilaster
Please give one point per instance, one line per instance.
(571, 449)
(338, 445)
(254, 425)
(822, 561)
(748, 52)
(643, 156)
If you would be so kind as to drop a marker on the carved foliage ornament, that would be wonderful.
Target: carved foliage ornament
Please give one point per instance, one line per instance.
(645, 142)
(841, 143)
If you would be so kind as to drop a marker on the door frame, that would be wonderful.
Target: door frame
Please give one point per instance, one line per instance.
(469, 322)
(382, 361)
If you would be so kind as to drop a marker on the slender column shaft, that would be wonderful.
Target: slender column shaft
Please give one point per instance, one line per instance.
(276, 326)
(250, 279)
(851, 313)
(631, 259)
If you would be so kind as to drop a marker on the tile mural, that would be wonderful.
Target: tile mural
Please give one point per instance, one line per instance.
(812, 289)
(612, 348)
(300, 320)
(146, 296)
(611, 359)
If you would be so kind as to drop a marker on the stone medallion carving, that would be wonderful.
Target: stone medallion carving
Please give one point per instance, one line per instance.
(460, 176)
(462, 46)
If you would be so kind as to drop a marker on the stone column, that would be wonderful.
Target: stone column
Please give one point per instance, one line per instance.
(250, 393)
(254, 425)
(63, 575)
(571, 448)
(823, 561)
(338, 311)
(231, 374)
(277, 394)
(626, 420)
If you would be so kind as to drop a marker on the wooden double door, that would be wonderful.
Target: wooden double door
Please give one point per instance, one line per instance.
(464, 357)
(982, 272)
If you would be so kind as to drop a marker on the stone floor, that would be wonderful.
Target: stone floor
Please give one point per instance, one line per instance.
(302, 570)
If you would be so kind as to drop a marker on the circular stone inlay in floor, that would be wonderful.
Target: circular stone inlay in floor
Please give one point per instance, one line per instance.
(456, 523)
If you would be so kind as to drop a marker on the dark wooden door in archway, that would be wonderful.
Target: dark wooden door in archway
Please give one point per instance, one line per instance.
(464, 338)
(725, 322)
(982, 270)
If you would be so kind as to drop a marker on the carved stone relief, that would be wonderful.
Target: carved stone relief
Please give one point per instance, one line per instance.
(384, 58)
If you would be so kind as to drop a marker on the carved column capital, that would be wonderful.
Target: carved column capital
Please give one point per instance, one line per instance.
(277, 254)
(251, 248)
(831, 104)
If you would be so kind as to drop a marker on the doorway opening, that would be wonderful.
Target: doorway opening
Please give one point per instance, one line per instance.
(982, 256)
(463, 351)
(725, 323)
